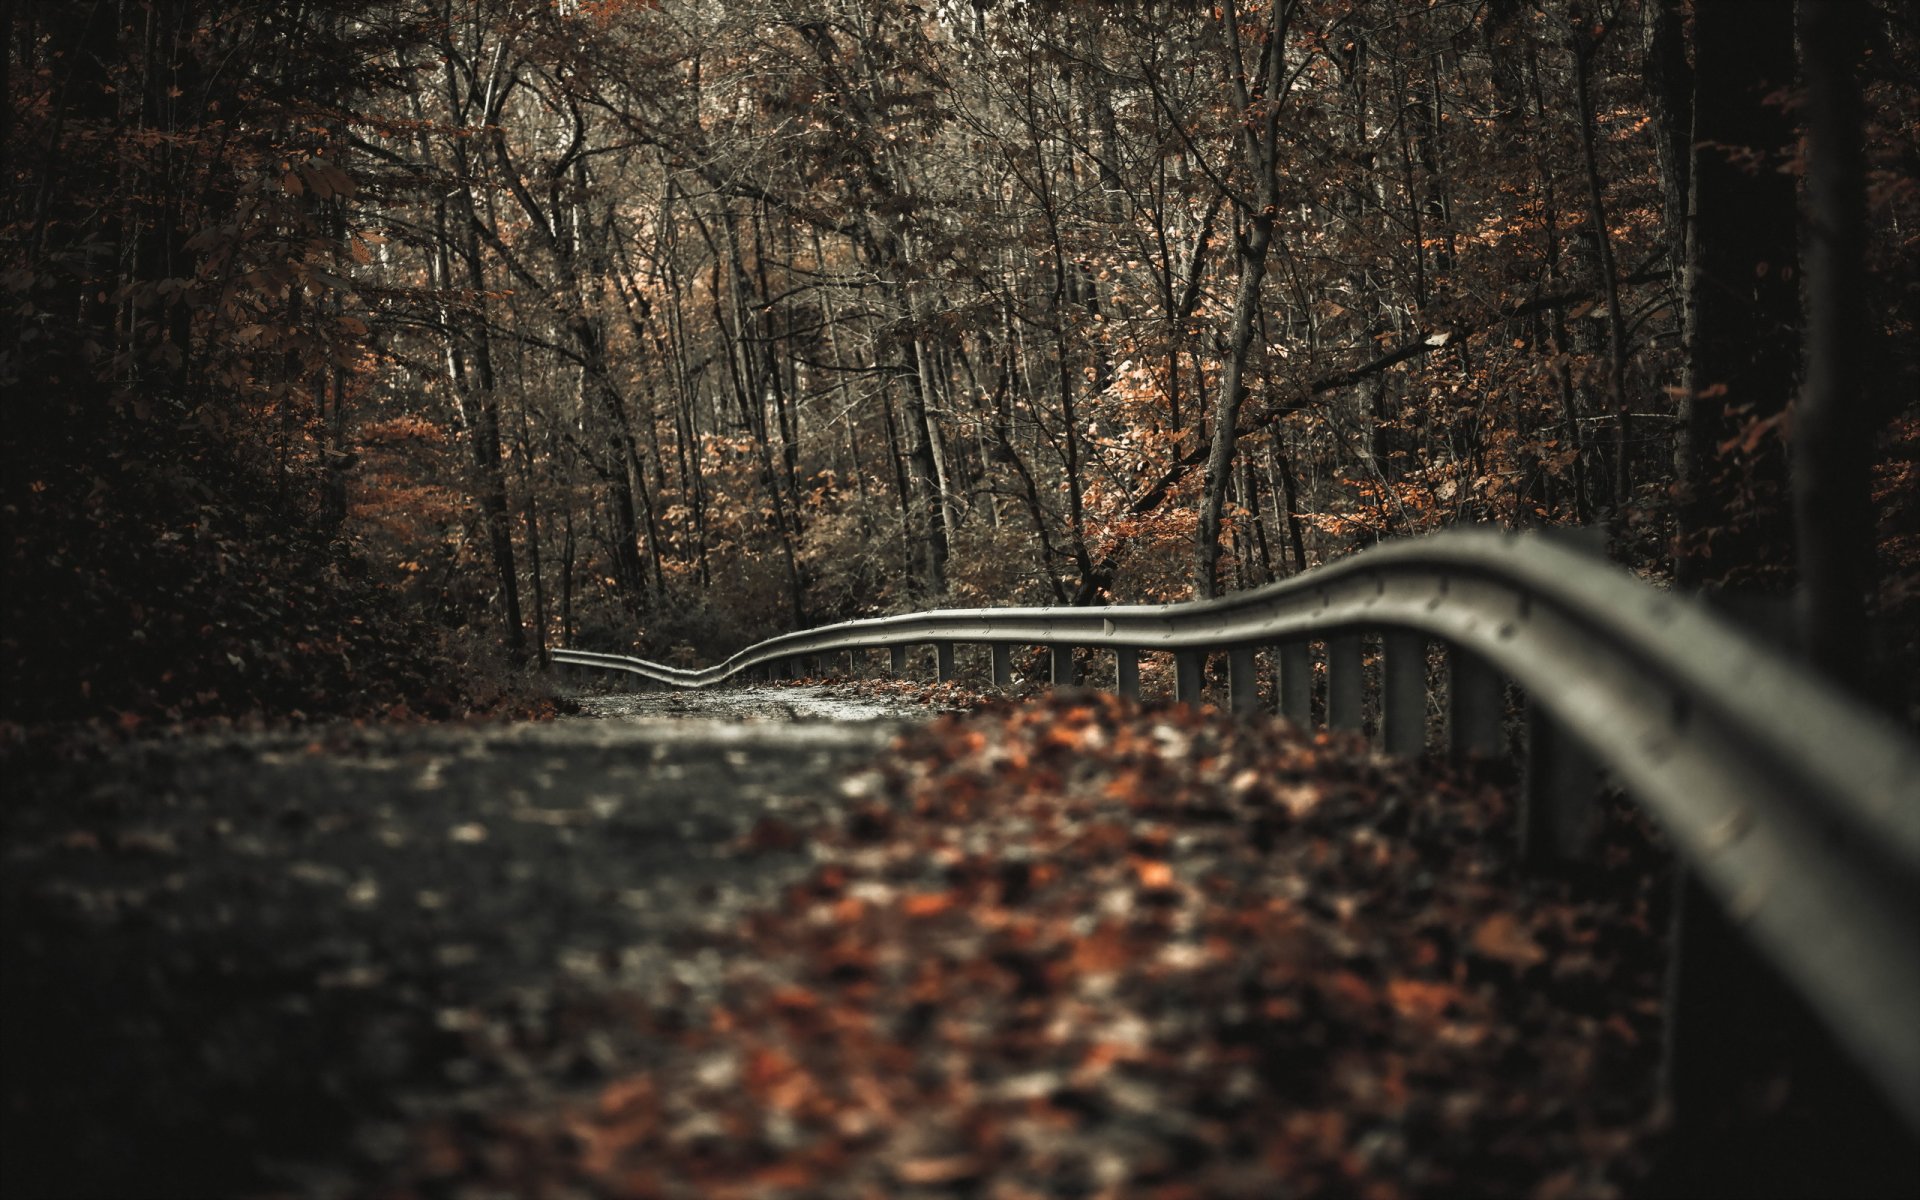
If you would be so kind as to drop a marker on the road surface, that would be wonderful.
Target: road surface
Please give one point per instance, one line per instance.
(239, 964)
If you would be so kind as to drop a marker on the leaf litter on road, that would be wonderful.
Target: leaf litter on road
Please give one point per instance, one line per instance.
(1080, 947)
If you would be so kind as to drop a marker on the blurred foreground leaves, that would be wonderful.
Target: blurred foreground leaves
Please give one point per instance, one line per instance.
(1078, 947)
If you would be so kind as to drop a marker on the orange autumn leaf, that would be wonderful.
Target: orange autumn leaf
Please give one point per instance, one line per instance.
(1154, 875)
(928, 904)
(1103, 950)
(794, 998)
(1502, 936)
(1420, 998)
(1101, 1057)
(623, 1096)
(1350, 988)
(936, 1171)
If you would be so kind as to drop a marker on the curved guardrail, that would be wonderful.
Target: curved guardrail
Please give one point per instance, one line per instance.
(1796, 806)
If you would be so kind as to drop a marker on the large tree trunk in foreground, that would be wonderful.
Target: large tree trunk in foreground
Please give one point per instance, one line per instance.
(1743, 303)
(1833, 422)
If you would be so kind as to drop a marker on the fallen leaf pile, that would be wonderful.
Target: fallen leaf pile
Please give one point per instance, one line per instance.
(1079, 947)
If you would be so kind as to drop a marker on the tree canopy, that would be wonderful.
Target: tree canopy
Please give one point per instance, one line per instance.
(354, 344)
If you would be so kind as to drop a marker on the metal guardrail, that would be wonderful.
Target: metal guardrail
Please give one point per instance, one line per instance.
(1795, 806)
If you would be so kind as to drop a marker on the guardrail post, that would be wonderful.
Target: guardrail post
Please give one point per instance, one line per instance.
(1476, 705)
(1243, 683)
(1002, 665)
(1345, 680)
(943, 661)
(1727, 1007)
(1126, 671)
(1709, 974)
(897, 661)
(1065, 669)
(1188, 668)
(1403, 693)
(1557, 791)
(1296, 683)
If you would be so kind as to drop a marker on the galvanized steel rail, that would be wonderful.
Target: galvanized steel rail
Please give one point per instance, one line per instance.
(1797, 807)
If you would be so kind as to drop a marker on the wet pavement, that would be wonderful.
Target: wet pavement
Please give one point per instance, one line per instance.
(245, 963)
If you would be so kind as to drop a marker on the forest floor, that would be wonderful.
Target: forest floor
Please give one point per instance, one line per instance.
(1069, 947)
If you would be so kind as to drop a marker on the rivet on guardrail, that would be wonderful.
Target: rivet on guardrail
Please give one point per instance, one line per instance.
(1727, 830)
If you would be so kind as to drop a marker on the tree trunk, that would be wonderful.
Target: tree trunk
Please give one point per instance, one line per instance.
(926, 517)
(1584, 48)
(473, 379)
(1742, 303)
(1670, 92)
(1260, 146)
(1834, 420)
(1226, 407)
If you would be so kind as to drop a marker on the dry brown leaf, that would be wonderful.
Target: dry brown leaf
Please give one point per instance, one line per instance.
(953, 1168)
(1502, 936)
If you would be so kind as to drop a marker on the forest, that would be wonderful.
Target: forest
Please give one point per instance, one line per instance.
(357, 353)
(361, 357)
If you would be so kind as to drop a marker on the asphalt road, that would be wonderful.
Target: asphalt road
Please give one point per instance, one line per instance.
(237, 965)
